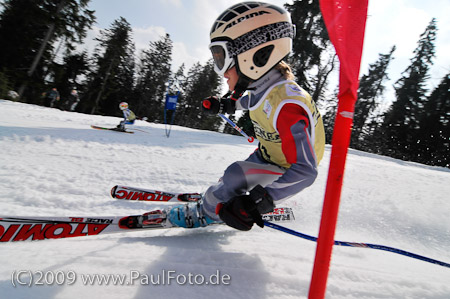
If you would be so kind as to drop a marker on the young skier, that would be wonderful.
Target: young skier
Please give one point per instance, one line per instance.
(249, 42)
(128, 115)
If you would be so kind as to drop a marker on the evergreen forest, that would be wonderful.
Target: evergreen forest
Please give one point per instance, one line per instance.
(33, 33)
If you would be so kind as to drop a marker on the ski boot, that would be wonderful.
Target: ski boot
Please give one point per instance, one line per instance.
(189, 215)
(120, 127)
(155, 219)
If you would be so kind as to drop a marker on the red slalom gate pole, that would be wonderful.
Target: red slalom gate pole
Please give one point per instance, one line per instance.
(345, 21)
(330, 208)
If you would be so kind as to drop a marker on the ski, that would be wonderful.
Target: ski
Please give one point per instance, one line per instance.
(138, 130)
(283, 214)
(13, 229)
(139, 194)
(18, 228)
(111, 129)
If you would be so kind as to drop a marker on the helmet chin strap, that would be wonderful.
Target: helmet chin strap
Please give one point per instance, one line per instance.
(241, 86)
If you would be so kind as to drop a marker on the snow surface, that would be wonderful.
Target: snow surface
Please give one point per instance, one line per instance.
(53, 163)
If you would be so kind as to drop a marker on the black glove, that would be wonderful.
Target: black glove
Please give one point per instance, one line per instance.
(214, 105)
(243, 211)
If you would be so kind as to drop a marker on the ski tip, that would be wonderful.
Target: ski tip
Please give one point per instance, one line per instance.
(113, 191)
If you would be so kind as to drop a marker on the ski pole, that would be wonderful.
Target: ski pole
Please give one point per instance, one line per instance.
(249, 138)
(360, 245)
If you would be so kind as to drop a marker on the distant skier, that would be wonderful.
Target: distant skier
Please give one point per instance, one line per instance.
(128, 115)
(72, 101)
(51, 98)
(248, 43)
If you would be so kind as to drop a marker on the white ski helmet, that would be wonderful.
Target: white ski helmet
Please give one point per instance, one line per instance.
(253, 36)
(123, 105)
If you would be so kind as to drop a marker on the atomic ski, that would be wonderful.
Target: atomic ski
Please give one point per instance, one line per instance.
(111, 129)
(14, 229)
(139, 194)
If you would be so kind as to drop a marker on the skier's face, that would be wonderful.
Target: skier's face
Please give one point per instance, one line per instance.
(232, 78)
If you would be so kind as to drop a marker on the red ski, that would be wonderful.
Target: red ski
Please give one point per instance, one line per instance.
(139, 194)
(111, 129)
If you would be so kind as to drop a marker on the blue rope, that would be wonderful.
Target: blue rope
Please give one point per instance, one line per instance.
(360, 245)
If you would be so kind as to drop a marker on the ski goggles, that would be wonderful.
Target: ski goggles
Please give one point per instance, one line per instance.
(223, 61)
(224, 51)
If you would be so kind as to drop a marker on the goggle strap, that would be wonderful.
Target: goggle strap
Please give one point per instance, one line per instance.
(260, 36)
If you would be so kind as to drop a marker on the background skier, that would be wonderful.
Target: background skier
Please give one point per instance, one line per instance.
(128, 115)
(72, 100)
(51, 97)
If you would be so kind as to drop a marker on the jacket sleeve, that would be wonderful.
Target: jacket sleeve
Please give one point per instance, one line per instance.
(293, 125)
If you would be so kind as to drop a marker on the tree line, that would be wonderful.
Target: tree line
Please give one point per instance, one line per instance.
(34, 32)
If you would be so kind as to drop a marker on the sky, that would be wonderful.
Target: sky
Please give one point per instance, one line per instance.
(188, 22)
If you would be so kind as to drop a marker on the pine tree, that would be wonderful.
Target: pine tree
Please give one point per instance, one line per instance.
(112, 80)
(202, 82)
(178, 80)
(401, 121)
(66, 75)
(177, 85)
(17, 50)
(310, 45)
(370, 89)
(5, 86)
(28, 30)
(433, 138)
(153, 75)
(122, 83)
(245, 123)
(330, 116)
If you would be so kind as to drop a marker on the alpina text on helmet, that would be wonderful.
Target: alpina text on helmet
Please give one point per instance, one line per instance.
(246, 17)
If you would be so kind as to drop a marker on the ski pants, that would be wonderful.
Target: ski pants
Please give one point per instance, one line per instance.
(238, 178)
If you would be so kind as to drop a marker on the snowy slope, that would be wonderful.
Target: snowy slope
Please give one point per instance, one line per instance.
(53, 163)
